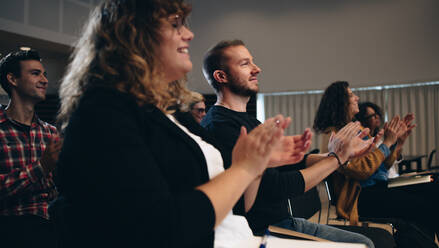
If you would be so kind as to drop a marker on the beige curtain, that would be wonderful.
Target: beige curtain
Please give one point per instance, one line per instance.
(423, 100)
(300, 107)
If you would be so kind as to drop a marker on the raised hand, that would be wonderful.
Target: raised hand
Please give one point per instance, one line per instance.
(408, 127)
(50, 155)
(391, 131)
(291, 149)
(348, 143)
(252, 151)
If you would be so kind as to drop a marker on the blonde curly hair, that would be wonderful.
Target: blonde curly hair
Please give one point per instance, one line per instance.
(118, 49)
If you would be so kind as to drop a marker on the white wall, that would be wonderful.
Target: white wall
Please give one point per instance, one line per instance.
(53, 20)
(300, 45)
(303, 45)
(50, 26)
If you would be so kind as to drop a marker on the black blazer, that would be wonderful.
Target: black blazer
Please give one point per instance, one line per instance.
(128, 175)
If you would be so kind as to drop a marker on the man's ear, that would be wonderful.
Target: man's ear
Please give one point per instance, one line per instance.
(11, 78)
(220, 76)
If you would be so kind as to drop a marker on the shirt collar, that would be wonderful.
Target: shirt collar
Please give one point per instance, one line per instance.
(4, 117)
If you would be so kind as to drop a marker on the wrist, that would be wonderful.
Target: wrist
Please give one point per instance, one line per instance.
(341, 163)
(388, 142)
(249, 172)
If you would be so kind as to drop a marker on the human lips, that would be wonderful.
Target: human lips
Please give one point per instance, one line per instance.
(184, 50)
(42, 88)
(253, 79)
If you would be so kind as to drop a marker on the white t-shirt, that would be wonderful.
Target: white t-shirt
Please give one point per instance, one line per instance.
(234, 229)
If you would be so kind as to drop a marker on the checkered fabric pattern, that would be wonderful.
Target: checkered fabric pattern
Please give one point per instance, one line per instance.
(24, 187)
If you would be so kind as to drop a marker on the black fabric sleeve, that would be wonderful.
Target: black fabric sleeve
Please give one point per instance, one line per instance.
(114, 173)
(277, 183)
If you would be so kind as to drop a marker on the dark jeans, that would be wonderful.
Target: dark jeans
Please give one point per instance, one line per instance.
(414, 204)
(26, 231)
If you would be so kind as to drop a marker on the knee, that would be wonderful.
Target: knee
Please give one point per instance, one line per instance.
(368, 242)
(362, 239)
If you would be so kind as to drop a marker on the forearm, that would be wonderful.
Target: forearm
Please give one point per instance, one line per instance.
(314, 158)
(251, 193)
(18, 180)
(319, 171)
(225, 189)
(362, 168)
(390, 160)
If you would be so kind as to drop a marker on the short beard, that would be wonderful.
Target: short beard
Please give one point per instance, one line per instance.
(239, 89)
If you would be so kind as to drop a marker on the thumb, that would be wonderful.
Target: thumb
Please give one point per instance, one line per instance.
(243, 133)
(332, 136)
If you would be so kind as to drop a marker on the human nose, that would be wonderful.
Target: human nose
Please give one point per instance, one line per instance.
(256, 69)
(187, 34)
(44, 79)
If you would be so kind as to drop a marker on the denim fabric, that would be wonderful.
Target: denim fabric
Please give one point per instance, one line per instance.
(381, 173)
(324, 231)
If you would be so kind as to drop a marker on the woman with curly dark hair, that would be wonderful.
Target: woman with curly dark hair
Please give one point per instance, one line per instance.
(360, 186)
(337, 107)
(371, 116)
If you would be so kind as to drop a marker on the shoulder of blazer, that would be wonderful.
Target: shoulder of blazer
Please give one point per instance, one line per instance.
(109, 97)
(187, 120)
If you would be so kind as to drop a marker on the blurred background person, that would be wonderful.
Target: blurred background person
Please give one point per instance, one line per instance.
(371, 116)
(197, 107)
(28, 154)
(360, 187)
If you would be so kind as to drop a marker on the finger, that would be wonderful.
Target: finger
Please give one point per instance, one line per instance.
(395, 121)
(409, 117)
(265, 132)
(298, 138)
(392, 122)
(307, 146)
(379, 135)
(286, 123)
(331, 137)
(310, 134)
(369, 146)
(345, 129)
(272, 140)
(365, 132)
(307, 134)
(353, 130)
(242, 134)
(409, 128)
(279, 120)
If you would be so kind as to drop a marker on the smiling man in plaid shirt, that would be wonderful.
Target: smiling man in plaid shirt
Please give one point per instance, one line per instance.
(29, 150)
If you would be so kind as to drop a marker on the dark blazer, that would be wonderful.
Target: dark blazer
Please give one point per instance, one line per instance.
(127, 176)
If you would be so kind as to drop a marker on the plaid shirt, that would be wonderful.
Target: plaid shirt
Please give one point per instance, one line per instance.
(24, 188)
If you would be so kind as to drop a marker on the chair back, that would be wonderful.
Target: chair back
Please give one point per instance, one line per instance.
(306, 205)
(430, 158)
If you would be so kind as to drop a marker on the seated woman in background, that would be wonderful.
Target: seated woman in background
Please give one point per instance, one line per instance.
(370, 115)
(355, 194)
(135, 170)
(197, 107)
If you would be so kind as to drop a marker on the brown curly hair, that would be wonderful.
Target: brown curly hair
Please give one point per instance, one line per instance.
(118, 49)
(333, 108)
